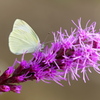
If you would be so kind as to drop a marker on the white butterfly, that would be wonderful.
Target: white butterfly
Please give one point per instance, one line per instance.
(23, 38)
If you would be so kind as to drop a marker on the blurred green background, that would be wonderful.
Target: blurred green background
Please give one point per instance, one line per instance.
(46, 16)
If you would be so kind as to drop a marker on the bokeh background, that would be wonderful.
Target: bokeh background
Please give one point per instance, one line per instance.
(46, 16)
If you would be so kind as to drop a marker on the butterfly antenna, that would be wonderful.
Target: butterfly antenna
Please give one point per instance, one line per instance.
(47, 38)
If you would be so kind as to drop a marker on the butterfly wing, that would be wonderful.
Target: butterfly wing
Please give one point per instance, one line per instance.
(23, 38)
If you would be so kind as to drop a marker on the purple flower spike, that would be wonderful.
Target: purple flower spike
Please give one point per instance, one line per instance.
(67, 56)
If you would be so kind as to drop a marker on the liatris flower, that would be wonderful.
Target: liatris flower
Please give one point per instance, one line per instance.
(67, 56)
